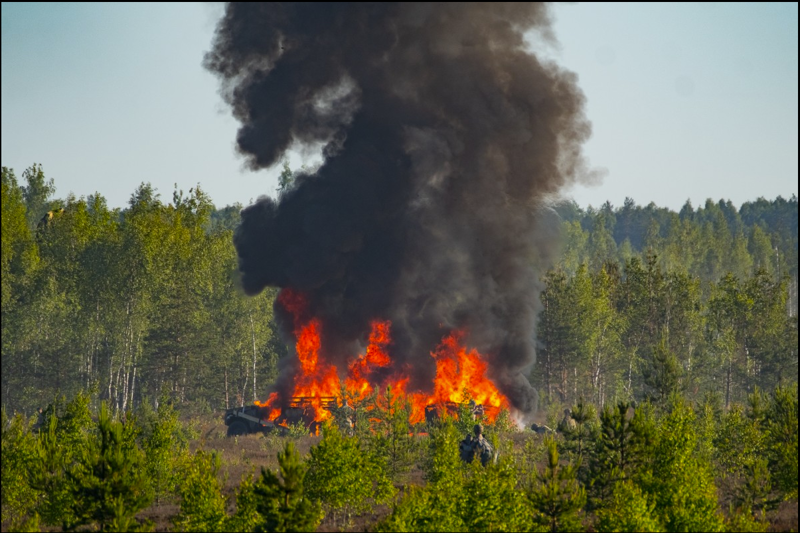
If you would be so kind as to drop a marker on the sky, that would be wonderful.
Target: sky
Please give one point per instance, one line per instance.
(687, 101)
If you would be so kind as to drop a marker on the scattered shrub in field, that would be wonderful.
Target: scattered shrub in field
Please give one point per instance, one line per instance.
(297, 431)
(738, 443)
(579, 440)
(491, 501)
(628, 509)
(555, 494)
(18, 457)
(740, 452)
(280, 502)
(425, 509)
(503, 424)
(780, 426)
(246, 517)
(163, 445)
(62, 442)
(202, 502)
(681, 483)
(345, 477)
(434, 507)
(392, 438)
(623, 450)
(107, 484)
(742, 520)
(443, 461)
(613, 452)
(461, 497)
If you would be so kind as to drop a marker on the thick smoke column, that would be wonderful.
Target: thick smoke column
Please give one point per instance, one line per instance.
(442, 136)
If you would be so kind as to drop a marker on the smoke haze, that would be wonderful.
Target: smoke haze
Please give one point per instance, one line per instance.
(443, 136)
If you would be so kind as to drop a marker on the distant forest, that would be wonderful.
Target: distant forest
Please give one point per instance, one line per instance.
(139, 302)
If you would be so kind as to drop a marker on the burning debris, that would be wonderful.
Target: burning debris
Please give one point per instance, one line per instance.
(414, 243)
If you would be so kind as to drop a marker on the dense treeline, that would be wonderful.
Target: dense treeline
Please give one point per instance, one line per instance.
(639, 332)
(140, 301)
(130, 303)
(706, 243)
(678, 466)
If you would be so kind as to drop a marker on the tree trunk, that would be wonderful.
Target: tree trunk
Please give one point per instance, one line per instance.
(253, 333)
(133, 385)
(728, 382)
(227, 398)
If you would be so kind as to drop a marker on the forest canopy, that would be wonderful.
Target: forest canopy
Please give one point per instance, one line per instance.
(137, 302)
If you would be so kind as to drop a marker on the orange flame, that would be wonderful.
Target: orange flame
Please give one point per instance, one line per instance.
(376, 356)
(459, 371)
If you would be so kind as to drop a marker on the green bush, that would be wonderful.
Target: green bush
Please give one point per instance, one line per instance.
(107, 484)
(628, 509)
(555, 494)
(681, 483)
(18, 458)
(202, 503)
(345, 477)
(246, 517)
(281, 503)
(164, 445)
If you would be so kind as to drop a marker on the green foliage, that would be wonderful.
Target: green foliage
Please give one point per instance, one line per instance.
(780, 426)
(37, 193)
(503, 424)
(443, 462)
(64, 445)
(297, 430)
(18, 458)
(740, 452)
(491, 501)
(681, 483)
(345, 477)
(579, 440)
(614, 457)
(202, 503)
(163, 448)
(743, 520)
(107, 485)
(662, 374)
(392, 437)
(471, 498)
(627, 509)
(423, 509)
(556, 495)
(282, 502)
(246, 517)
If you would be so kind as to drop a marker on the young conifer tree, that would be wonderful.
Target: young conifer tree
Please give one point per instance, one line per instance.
(281, 501)
(107, 483)
(556, 494)
(202, 502)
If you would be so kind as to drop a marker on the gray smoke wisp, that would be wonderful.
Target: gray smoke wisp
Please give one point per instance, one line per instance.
(443, 135)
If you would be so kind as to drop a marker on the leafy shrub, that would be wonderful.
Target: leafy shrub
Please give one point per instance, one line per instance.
(18, 457)
(246, 517)
(107, 484)
(681, 483)
(297, 431)
(281, 502)
(345, 477)
(202, 503)
(628, 509)
(556, 495)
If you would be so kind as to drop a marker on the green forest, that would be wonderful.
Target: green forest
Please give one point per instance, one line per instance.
(670, 336)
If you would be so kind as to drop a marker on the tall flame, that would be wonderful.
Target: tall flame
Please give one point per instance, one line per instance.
(376, 356)
(460, 372)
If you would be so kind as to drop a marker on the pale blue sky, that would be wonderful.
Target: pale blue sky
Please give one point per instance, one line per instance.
(687, 100)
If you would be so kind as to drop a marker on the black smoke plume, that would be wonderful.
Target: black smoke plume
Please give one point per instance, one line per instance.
(442, 135)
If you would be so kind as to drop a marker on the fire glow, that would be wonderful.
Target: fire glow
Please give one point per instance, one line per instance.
(459, 370)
